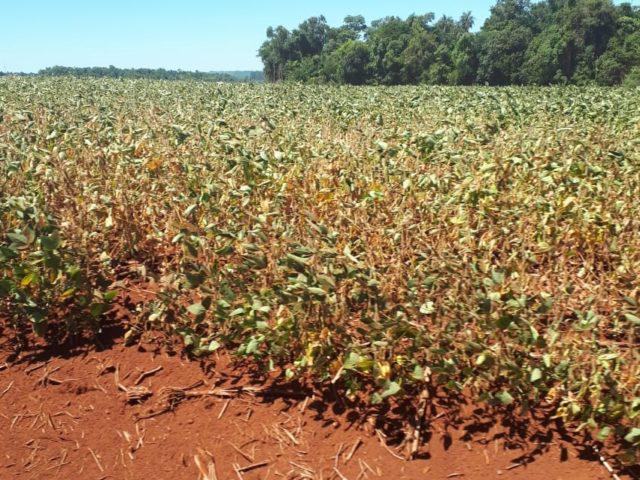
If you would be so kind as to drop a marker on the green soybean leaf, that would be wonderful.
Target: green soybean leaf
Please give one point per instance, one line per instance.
(317, 291)
(536, 374)
(49, 243)
(505, 397)
(633, 436)
(196, 309)
(632, 318)
(604, 433)
(390, 388)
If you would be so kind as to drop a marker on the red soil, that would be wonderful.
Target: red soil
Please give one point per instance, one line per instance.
(63, 416)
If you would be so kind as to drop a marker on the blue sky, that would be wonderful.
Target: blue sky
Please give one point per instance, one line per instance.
(186, 34)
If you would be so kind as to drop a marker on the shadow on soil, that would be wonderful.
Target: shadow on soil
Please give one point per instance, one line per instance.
(458, 419)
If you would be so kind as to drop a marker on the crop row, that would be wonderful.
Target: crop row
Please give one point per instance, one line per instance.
(391, 241)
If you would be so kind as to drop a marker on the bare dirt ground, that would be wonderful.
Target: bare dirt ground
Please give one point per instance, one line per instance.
(98, 413)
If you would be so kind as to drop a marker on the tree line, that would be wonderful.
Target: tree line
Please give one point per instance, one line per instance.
(150, 73)
(522, 43)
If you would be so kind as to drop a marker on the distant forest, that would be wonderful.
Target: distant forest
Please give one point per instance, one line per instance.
(523, 43)
(150, 73)
(153, 73)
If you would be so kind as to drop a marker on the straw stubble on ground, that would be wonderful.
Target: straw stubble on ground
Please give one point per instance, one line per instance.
(85, 425)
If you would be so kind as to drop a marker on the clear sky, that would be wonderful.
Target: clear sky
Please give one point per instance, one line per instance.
(185, 34)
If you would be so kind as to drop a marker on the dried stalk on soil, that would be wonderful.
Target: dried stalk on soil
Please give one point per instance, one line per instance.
(206, 465)
(144, 375)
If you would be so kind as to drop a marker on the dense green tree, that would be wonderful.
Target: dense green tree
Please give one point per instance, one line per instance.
(350, 63)
(306, 69)
(355, 23)
(448, 33)
(544, 59)
(387, 39)
(275, 53)
(623, 51)
(419, 54)
(503, 41)
(632, 79)
(309, 38)
(548, 42)
(353, 28)
(465, 60)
